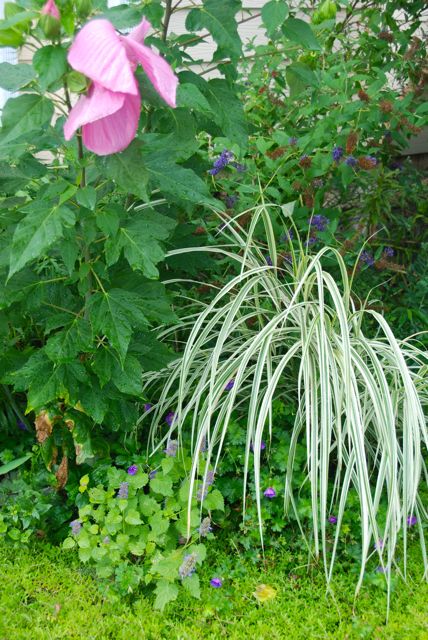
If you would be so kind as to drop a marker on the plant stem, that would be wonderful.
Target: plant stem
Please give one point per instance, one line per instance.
(168, 13)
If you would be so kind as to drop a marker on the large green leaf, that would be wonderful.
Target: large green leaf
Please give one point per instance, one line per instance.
(37, 231)
(128, 378)
(127, 171)
(273, 15)
(140, 240)
(15, 76)
(218, 17)
(299, 76)
(23, 115)
(114, 313)
(165, 592)
(301, 33)
(66, 344)
(50, 62)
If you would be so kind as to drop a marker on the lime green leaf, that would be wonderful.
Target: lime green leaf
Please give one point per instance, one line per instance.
(214, 500)
(50, 63)
(301, 33)
(165, 592)
(15, 76)
(162, 485)
(68, 543)
(133, 517)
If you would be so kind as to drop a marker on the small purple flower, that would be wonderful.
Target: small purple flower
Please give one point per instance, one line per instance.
(396, 165)
(170, 418)
(230, 201)
(122, 494)
(270, 493)
(379, 544)
(262, 446)
(132, 470)
(381, 569)
(188, 566)
(332, 519)
(205, 527)
(351, 161)
(230, 384)
(337, 153)
(388, 252)
(367, 258)
(171, 448)
(216, 583)
(311, 241)
(319, 222)
(152, 474)
(269, 261)
(288, 235)
(147, 406)
(411, 521)
(76, 526)
(292, 141)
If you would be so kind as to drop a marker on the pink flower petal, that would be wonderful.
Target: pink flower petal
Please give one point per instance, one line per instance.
(99, 54)
(115, 132)
(140, 31)
(50, 9)
(98, 104)
(158, 70)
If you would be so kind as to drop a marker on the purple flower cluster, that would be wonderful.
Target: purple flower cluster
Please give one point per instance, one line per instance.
(311, 241)
(241, 168)
(201, 494)
(222, 161)
(269, 261)
(379, 545)
(188, 566)
(123, 491)
(319, 222)
(132, 470)
(367, 258)
(388, 252)
(230, 384)
(332, 519)
(209, 480)
(76, 526)
(351, 161)
(171, 448)
(288, 235)
(147, 406)
(205, 527)
(230, 201)
(337, 153)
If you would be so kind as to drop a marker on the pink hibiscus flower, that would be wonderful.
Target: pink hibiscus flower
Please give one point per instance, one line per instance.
(109, 113)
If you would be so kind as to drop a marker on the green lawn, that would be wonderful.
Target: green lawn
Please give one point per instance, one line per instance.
(45, 594)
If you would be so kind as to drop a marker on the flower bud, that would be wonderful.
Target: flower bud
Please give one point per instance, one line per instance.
(326, 11)
(49, 20)
(83, 8)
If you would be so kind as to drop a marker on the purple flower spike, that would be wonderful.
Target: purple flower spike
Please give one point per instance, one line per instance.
(188, 566)
(216, 583)
(337, 153)
(205, 527)
(147, 406)
(122, 494)
(367, 258)
(229, 385)
(332, 519)
(319, 222)
(388, 252)
(411, 521)
(170, 418)
(132, 470)
(171, 448)
(270, 493)
(222, 161)
(268, 261)
(76, 526)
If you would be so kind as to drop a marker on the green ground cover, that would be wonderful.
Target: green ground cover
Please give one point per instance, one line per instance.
(47, 595)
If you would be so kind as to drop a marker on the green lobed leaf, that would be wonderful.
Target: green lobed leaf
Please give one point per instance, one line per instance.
(165, 592)
(273, 15)
(15, 76)
(218, 17)
(128, 377)
(37, 231)
(192, 585)
(66, 344)
(50, 62)
(301, 33)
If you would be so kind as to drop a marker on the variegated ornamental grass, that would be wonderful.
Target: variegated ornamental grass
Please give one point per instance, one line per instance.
(294, 330)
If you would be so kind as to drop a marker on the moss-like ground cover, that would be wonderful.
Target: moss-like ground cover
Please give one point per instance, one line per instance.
(46, 594)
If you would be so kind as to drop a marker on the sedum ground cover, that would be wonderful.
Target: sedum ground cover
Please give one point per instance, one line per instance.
(47, 595)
